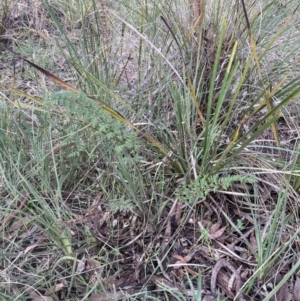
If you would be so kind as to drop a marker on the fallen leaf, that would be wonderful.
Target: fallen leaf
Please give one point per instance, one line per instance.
(214, 228)
(283, 294)
(58, 287)
(81, 265)
(296, 290)
(253, 242)
(29, 248)
(217, 234)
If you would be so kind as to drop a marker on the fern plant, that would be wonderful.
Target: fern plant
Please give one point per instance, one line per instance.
(86, 113)
(203, 186)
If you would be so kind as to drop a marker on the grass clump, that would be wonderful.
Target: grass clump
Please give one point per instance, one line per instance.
(158, 158)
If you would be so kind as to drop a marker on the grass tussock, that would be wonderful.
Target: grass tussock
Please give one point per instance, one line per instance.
(149, 151)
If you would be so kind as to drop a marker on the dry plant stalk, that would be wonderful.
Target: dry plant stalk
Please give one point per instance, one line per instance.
(198, 11)
(197, 8)
(103, 16)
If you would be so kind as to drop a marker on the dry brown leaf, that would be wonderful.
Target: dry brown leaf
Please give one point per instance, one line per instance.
(230, 284)
(81, 265)
(253, 242)
(218, 233)
(29, 248)
(168, 230)
(215, 227)
(296, 290)
(205, 222)
(58, 287)
(94, 269)
(244, 275)
(178, 212)
(182, 262)
(159, 280)
(283, 294)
